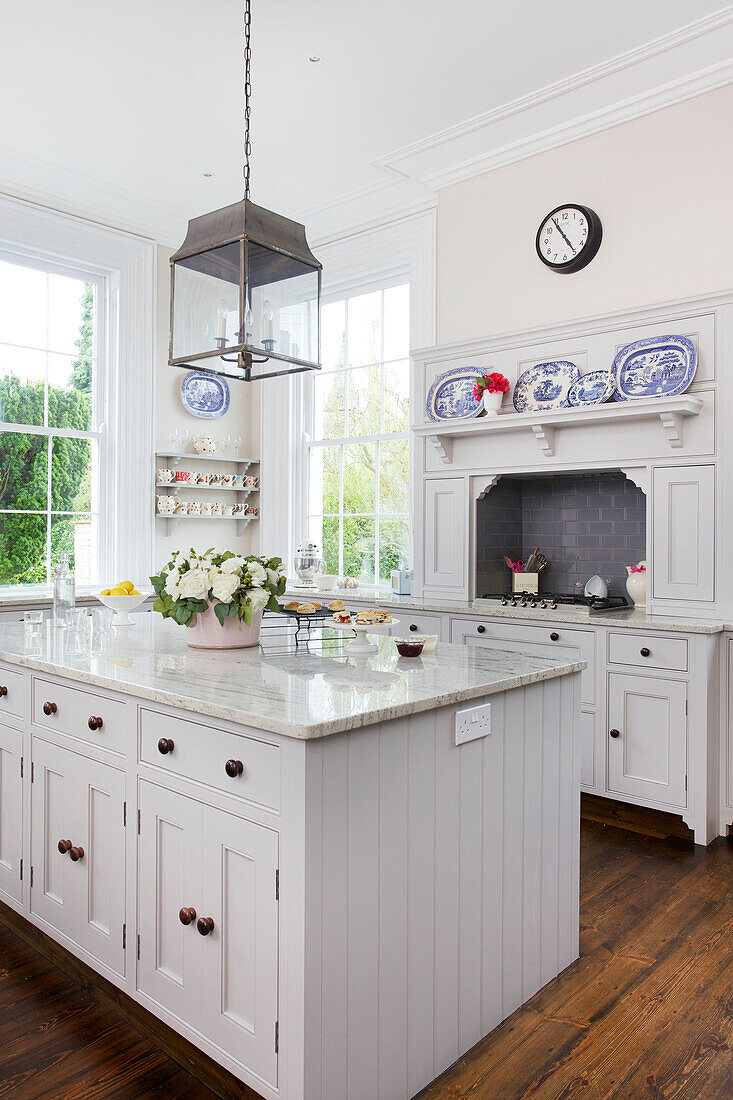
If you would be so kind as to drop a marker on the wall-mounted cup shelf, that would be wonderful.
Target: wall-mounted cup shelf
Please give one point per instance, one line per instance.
(194, 458)
(176, 485)
(171, 522)
(669, 412)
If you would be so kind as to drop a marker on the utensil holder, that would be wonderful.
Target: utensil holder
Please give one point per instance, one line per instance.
(525, 582)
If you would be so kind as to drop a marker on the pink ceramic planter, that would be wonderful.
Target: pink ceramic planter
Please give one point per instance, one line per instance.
(208, 633)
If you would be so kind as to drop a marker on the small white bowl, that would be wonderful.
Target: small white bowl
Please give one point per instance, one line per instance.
(123, 605)
(326, 582)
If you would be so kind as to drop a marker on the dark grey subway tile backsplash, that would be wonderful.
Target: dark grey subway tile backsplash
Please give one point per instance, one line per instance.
(585, 524)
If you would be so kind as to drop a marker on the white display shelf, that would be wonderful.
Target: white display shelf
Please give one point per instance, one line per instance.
(175, 485)
(171, 522)
(194, 458)
(670, 412)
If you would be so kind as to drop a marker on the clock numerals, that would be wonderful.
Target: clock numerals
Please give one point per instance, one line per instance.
(568, 238)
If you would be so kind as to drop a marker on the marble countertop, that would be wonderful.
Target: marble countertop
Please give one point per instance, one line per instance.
(300, 694)
(580, 616)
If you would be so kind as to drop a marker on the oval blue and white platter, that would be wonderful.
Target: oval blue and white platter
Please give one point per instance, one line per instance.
(592, 389)
(657, 366)
(451, 395)
(204, 395)
(545, 386)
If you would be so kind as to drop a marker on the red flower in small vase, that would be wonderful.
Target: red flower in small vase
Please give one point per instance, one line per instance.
(492, 383)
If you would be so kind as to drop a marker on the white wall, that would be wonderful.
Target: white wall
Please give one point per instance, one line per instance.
(662, 188)
(242, 417)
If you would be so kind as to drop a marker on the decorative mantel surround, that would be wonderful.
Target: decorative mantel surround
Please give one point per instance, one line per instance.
(672, 448)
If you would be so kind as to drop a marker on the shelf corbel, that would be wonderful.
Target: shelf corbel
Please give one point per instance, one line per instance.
(672, 427)
(444, 446)
(545, 436)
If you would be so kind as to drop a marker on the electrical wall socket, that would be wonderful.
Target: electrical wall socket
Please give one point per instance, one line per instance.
(472, 723)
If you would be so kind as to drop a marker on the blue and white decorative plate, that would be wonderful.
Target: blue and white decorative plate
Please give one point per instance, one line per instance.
(451, 395)
(545, 386)
(592, 389)
(204, 395)
(658, 366)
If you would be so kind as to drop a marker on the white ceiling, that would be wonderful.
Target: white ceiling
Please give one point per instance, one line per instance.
(144, 96)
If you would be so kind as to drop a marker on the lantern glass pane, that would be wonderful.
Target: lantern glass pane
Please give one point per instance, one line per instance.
(283, 300)
(206, 301)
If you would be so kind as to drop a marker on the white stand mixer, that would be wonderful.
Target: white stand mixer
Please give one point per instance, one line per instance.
(308, 564)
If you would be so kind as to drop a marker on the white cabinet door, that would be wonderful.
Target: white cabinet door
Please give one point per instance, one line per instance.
(169, 860)
(647, 740)
(240, 954)
(11, 812)
(79, 801)
(445, 533)
(683, 565)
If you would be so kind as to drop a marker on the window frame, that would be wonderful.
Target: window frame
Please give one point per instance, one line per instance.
(123, 267)
(310, 443)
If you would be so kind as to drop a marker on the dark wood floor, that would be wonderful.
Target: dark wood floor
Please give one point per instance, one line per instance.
(645, 1014)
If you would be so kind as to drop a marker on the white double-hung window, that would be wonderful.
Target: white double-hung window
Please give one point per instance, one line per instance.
(357, 428)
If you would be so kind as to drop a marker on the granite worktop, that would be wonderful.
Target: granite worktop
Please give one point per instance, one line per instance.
(634, 618)
(310, 692)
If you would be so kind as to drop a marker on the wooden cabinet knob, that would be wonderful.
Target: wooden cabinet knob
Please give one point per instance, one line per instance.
(49, 708)
(3, 691)
(614, 733)
(481, 629)
(554, 637)
(645, 652)
(205, 925)
(233, 768)
(165, 745)
(413, 626)
(64, 846)
(187, 915)
(95, 723)
(76, 854)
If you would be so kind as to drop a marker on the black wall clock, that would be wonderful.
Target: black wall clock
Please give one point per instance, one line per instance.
(568, 238)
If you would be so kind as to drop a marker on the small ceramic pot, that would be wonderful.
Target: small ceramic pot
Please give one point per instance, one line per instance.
(227, 509)
(205, 445)
(181, 475)
(252, 510)
(636, 587)
(238, 481)
(492, 402)
(208, 633)
(165, 476)
(251, 482)
(202, 479)
(215, 479)
(166, 505)
(181, 508)
(227, 481)
(216, 508)
(194, 508)
(205, 508)
(238, 510)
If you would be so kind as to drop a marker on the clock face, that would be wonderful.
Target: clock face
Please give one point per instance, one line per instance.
(568, 238)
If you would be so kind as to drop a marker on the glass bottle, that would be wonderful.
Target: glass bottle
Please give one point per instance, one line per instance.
(64, 592)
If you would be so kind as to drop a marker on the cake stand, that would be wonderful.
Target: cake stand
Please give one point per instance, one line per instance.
(359, 646)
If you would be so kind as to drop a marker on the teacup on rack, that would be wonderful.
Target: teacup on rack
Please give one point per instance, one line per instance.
(165, 476)
(166, 504)
(205, 507)
(238, 510)
(181, 475)
(182, 507)
(202, 478)
(227, 509)
(252, 510)
(216, 507)
(215, 479)
(227, 480)
(194, 508)
(237, 480)
(251, 481)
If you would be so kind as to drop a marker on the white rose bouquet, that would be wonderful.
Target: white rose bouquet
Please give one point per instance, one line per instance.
(237, 586)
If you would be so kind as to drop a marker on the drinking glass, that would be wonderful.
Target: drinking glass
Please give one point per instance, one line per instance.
(33, 621)
(77, 619)
(102, 620)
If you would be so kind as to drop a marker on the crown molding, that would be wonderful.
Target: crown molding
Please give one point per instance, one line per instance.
(688, 62)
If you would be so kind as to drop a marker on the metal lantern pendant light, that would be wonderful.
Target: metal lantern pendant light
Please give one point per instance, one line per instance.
(245, 286)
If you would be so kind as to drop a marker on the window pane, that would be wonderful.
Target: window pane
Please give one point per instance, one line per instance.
(365, 329)
(359, 477)
(359, 547)
(324, 531)
(75, 536)
(394, 545)
(70, 315)
(328, 405)
(394, 475)
(333, 335)
(22, 385)
(23, 297)
(23, 549)
(69, 393)
(397, 322)
(365, 401)
(397, 397)
(71, 474)
(23, 471)
(324, 479)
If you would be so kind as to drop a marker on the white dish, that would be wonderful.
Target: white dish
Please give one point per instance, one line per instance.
(123, 605)
(359, 645)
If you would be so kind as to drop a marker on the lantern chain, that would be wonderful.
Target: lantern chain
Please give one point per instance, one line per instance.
(247, 93)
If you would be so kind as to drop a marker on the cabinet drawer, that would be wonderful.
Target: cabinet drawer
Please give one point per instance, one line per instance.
(77, 712)
(647, 651)
(420, 623)
(13, 702)
(554, 641)
(202, 752)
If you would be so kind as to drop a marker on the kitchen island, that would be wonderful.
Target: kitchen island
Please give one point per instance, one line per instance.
(332, 875)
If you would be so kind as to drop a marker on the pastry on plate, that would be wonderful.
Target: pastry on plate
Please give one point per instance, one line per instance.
(308, 608)
(293, 605)
(366, 617)
(342, 616)
(383, 616)
(336, 605)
